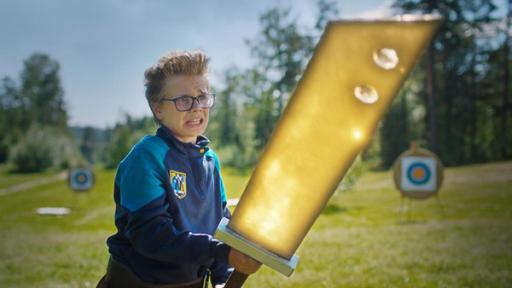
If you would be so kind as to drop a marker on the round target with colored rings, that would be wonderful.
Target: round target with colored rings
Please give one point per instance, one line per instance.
(418, 173)
(81, 179)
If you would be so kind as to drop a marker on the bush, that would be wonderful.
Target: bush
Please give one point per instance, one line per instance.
(120, 144)
(353, 174)
(33, 153)
(236, 157)
(123, 137)
(44, 147)
(65, 152)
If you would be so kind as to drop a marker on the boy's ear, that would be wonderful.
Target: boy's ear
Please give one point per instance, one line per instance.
(157, 110)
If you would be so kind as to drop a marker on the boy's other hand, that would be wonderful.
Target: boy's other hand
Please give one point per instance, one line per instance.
(243, 263)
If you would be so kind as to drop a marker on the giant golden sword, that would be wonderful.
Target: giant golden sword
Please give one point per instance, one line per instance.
(356, 70)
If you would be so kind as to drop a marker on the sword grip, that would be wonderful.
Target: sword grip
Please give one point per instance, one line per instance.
(236, 279)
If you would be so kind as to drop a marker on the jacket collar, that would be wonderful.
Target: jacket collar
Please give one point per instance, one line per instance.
(191, 149)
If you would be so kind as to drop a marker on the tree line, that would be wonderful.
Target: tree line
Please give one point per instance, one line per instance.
(33, 118)
(456, 102)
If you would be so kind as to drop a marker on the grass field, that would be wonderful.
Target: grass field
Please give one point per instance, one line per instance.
(358, 241)
(8, 180)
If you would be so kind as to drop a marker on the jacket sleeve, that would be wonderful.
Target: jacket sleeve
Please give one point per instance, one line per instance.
(150, 226)
(220, 269)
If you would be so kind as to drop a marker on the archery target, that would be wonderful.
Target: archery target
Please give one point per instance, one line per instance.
(418, 174)
(81, 179)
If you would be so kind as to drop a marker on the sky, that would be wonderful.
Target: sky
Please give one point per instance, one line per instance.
(104, 46)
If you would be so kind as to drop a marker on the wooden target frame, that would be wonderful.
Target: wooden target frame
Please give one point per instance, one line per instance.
(415, 151)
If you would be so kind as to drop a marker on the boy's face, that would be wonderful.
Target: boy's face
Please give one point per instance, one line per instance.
(187, 125)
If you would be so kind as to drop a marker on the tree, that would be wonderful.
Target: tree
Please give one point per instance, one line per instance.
(327, 11)
(252, 101)
(395, 135)
(119, 145)
(10, 113)
(13, 119)
(226, 113)
(454, 67)
(88, 144)
(42, 92)
(281, 51)
(505, 145)
(38, 100)
(124, 136)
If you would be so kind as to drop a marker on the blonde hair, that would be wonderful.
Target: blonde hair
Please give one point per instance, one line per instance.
(172, 64)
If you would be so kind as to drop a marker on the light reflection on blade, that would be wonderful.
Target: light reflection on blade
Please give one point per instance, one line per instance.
(324, 127)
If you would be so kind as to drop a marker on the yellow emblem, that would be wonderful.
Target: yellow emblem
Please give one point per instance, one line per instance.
(178, 183)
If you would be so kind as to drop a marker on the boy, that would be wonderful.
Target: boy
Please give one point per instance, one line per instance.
(168, 190)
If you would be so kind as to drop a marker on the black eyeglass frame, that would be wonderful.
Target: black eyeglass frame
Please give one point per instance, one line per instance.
(194, 99)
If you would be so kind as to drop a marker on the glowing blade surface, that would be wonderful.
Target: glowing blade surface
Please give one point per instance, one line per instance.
(355, 72)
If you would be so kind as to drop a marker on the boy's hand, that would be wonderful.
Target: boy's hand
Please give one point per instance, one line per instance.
(243, 263)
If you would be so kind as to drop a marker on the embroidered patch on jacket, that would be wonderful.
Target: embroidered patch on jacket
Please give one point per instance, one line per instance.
(178, 183)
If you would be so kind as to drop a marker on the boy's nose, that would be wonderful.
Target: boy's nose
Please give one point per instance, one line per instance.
(195, 104)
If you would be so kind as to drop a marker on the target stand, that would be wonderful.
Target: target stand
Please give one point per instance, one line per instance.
(406, 206)
(80, 179)
(418, 175)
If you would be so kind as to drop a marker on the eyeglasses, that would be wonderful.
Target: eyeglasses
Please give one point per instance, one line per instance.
(186, 103)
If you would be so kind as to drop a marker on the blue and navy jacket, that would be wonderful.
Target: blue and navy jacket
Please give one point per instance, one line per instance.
(169, 200)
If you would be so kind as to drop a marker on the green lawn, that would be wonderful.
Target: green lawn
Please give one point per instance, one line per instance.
(358, 241)
(8, 179)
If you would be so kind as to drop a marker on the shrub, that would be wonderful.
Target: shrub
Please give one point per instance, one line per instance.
(33, 153)
(353, 174)
(44, 147)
